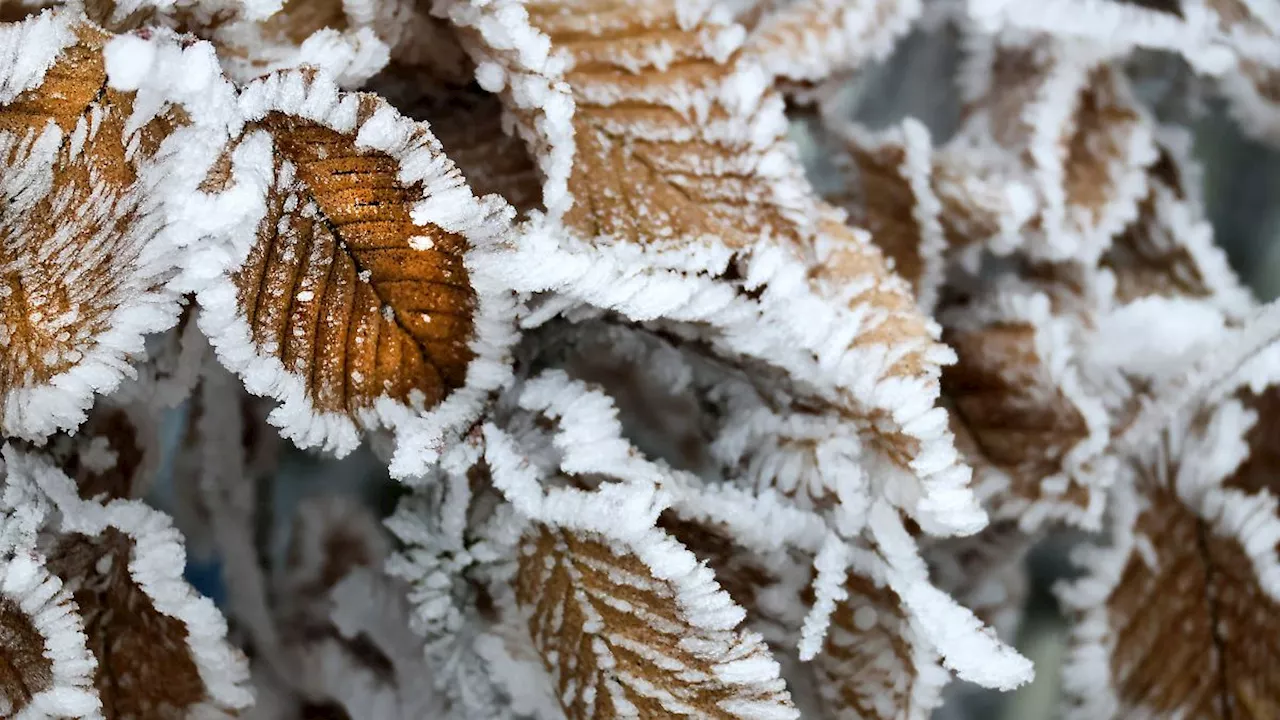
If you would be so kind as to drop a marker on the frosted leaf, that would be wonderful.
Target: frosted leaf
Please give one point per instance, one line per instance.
(690, 207)
(45, 666)
(895, 200)
(1068, 121)
(642, 632)
(1169, 251)
(1025, 408)
(1187, 553)
(863, 656)
(810, 40)
(875, 664)
(356, 303)
(160, 648)
(457, 554)
(767, 550)
(96, 179)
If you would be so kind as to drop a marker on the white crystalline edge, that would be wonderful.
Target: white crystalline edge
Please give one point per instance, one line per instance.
(188, 77)
(447, 202)
(860, 33)
(1119, 25)
(516, 57)
(832, 566)
(744, 660)
(967, 647)
(911, 137)
(156, 564)
(1055, 338)
(28, 49)
(350, 56)
(1126, 176)
(1086, 675)
(589, 438)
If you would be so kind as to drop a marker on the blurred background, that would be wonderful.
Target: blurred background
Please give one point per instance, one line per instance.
(1241, 179)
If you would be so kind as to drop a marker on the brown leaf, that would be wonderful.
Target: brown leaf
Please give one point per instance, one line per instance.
(145, 668)
(368, 317)
(1021, 407)
(868, 664)
(1168, 251)
(72, 270)
(896, 202)
(155, 648)
(1185, 574)
(1087, 164)
(24, 669)
(619, 641)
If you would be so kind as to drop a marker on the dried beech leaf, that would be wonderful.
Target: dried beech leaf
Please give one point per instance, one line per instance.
(874, 663)
(896, 202)
(809, 40)
(356, 304)
(1024, 408)
(1068, 122)
(89, 241)
(623, 638)
(1174, 569)
(1169, 250)
(160, 648)
(689, 206)
(45, 667)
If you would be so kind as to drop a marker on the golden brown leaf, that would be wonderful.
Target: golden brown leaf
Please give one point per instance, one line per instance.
(79, 253)
(1186, 575)
(24, 669)
(621, 641)
(1168, 251)
(354, 306)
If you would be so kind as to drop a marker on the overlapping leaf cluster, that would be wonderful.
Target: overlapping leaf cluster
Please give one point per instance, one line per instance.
(679, 433)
